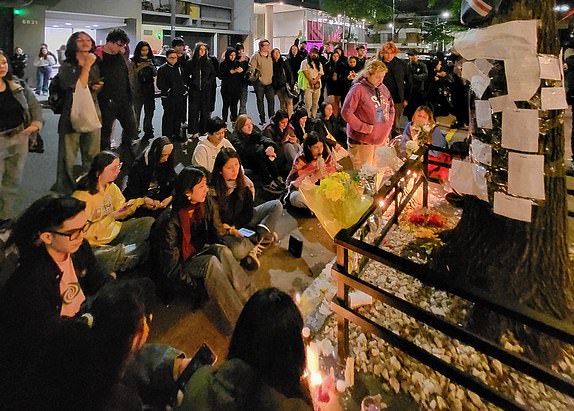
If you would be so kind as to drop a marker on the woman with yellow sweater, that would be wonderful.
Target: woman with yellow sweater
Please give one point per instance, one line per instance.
(119, 243)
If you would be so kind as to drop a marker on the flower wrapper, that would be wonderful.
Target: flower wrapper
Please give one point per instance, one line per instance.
(338, 201)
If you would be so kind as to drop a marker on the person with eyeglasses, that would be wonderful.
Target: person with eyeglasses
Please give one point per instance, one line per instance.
(57, 276)
(115, 98)
(119, 242)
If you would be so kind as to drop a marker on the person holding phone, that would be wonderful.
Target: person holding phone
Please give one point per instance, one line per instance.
(265, 363)
(186, 249)
(237, 211)
(118, 242)
(79, 65)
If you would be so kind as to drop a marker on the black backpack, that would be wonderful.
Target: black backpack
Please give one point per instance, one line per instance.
(57, 95)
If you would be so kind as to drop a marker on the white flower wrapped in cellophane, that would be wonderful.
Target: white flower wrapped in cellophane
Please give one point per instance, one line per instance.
(338, 201)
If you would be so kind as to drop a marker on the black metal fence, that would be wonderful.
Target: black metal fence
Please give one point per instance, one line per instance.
(397, 193)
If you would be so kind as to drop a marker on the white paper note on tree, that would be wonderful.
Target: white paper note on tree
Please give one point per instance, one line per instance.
(526, 175)
(512, 207)
(550, 67)
(520, 130)
(553, 98)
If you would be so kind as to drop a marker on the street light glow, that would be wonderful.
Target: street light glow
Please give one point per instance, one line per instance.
(445, 14)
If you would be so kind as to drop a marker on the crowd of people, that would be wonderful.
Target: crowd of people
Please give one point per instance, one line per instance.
(193, 231)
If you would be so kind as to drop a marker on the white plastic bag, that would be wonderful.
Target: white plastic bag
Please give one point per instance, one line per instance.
(83, 115)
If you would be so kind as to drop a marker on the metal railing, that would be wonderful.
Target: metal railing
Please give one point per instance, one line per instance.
(398, 192)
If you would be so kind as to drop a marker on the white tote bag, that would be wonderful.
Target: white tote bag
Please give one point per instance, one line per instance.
(84, 116)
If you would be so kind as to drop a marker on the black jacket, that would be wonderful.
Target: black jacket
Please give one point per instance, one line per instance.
(170, 81)
(200, 74)
(282, 74)
(397, 80)
(236, 209)
(230, 82)
(251, 148)
(166, 239)
(141, 175)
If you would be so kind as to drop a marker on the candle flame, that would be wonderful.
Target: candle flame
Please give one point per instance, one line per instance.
(298, 298)
(316, 378)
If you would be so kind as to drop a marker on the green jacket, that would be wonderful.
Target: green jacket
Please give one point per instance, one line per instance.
(235, 387)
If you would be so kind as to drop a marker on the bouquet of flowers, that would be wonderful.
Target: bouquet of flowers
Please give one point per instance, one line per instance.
(338, 201)
(419, 135)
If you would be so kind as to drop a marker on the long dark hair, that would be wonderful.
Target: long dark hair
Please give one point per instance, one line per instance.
(294, 121)
(188, 178)
(155, 152)
(45, 214)
(72, 47)
(89, 181)
(312, 139)
(137, 52)
(217, 181)
(267, 336)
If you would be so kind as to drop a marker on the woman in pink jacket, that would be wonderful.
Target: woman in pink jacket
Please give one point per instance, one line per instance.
(369, 112)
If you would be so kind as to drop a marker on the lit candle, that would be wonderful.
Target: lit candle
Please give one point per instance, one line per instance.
(312, 358)
(297, 298)
(350, 372)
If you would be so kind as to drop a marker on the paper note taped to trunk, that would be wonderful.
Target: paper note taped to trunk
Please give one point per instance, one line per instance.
(526, 175)
(512, 207)
(468, 178)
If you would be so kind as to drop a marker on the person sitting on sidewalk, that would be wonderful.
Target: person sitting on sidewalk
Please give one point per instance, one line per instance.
(258, 153)
(186, 249)
(314, 164)
(119, 243)
(288, 145)
(237, 211)
(209, 145)
(265, 363)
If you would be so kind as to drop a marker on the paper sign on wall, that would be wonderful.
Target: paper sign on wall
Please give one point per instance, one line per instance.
(512, 207)
(553, 98)
(526, 175)
(520, 129)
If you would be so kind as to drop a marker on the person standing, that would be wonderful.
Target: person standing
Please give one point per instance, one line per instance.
(244, 63)
(396, 81)
(142, 73)
(200, 74)
(369, 112)
(282, 78)
(313, 71)
(171, 82)
(115, 98)
(178, 44)
(20, 117)
(231, 74)
(19, 62)
(261, 67)
(43, 63)
(418, 74)
(79, 65)
(294, 59)
(361, 57)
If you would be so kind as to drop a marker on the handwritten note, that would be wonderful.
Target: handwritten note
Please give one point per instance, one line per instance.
(522, 77)
(520, 130)
(512, 207)
(481, 152)
(526, 175)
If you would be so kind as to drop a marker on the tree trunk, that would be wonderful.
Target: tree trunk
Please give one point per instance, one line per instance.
(521, 262)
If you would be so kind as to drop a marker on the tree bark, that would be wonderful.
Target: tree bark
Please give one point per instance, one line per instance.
(526, 263)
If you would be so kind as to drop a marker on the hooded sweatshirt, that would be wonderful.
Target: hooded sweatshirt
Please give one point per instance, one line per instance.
(369, 114)
(205, 152)
(234, 387)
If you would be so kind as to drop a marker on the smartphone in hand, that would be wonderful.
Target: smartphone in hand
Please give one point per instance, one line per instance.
(245, 232)
(203, 356)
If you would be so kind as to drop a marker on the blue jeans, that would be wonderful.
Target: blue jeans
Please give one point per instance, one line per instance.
(267, 214)
(13, 154)
(43, 75)
(269, 93)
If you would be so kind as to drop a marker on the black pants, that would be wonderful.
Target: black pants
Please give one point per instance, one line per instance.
(148, 104)
(124, 113)
(199, 112)
(269, 93)
(230, 102)
(173, 116)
